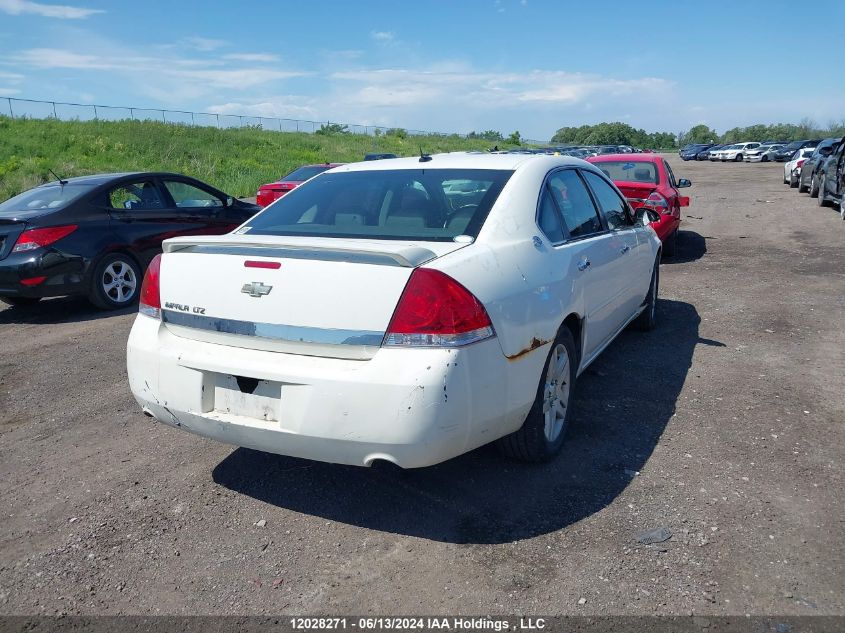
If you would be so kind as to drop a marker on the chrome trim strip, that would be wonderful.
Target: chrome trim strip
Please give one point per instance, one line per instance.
(407, 258)
(276, 331)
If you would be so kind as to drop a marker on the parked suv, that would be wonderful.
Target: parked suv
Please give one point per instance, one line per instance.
(832, 180)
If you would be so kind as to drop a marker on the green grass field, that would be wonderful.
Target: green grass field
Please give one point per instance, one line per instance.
(234, 160)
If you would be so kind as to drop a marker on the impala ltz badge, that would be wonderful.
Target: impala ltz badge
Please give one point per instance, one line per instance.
(256, 289)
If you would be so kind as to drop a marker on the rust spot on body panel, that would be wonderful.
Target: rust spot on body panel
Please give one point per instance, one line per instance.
(535, 343)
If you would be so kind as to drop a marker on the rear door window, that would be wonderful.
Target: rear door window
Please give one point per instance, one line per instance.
(549, 219)
(579, 213)
(142, 195)
(611, 203)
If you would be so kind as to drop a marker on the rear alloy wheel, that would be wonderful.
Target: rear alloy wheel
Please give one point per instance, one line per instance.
(814, 187)
(765, 159)
(670, 244)
(20, 302)
(739, 158)
(115, 282)
(822, 196)
(541, 435)
(648, 317)
(793, 180)
(842, 206)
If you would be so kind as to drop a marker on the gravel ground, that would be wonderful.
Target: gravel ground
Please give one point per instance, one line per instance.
(724, 425)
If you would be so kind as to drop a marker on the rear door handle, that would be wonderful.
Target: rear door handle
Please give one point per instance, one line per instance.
(625, 249)
(584, 264)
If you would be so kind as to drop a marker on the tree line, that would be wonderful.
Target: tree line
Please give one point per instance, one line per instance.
(614, 134)
(623, 134)
(805, 129)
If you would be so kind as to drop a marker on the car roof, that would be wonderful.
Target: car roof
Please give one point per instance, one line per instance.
(462, 160)
(633, 158)
(99, 179)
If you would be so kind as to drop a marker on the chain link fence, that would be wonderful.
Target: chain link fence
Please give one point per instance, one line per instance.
(35, 109)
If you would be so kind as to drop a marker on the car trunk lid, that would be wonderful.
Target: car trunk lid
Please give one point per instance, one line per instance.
(302, 295)
(636, 192)
(10, 230)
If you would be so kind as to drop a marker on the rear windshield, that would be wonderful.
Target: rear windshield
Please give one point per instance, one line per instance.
(45, 197)
(629, 171)
(304, 173)
(400, 204)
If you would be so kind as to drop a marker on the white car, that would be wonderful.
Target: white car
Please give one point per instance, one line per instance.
(762, 154)
(792, 167)
(736, 152)
(404, 310)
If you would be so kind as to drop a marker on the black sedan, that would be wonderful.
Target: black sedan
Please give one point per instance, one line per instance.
(95, 235)
(786, 152)
(704, 154)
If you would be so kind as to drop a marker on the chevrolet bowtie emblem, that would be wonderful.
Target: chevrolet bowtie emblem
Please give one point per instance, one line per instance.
(256, 289)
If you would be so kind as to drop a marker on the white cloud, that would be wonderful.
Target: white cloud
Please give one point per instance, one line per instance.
(383, 37)
(252, 57)
(283, 107)
(484, 90)
(61, 11)
(12, 78)
(203, 44)
(8, 92)
(168, 78)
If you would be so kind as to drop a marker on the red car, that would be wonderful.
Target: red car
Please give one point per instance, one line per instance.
(648, 181)
(273, 191)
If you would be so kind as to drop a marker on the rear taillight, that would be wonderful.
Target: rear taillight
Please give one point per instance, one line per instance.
(150, 302)
(657, 202)
(263, 198)
(800, 162)
(36, 238)
(436, 311)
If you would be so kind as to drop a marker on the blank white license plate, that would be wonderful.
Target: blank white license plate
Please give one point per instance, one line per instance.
(263, 403)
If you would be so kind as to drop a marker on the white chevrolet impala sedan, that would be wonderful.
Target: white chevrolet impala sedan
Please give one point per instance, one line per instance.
(404, 310)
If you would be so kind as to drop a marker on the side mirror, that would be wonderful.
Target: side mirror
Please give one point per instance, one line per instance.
(826, 151)
(683, 182)
(683, 201)
(645, 216)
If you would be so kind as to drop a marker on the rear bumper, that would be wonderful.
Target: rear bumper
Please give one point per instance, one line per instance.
(63, 274)
(413, 407)
(667, 225)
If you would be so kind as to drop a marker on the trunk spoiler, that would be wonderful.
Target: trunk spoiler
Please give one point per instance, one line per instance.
(404, 256)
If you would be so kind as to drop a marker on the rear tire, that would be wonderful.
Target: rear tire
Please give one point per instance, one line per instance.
(541, 435)
(670, 244)
(842, 206)
(20, 302)
(822, 196)
(765, 159)
(648, 317)
(739, 158)
(814, 187)
(116, 282)
(793, 181)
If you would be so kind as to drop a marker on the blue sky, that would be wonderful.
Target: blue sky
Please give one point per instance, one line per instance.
(526, 65)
